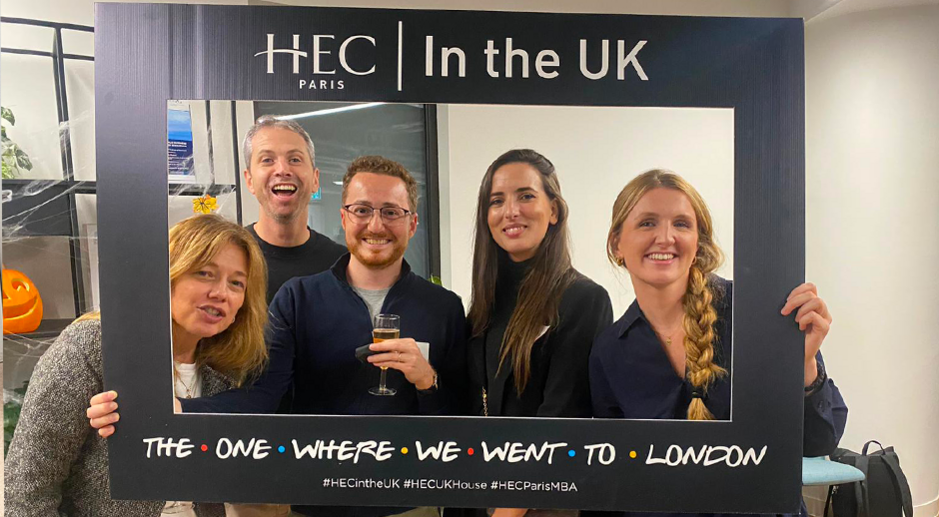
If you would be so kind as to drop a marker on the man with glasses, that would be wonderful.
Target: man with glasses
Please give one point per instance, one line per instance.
(318, 321)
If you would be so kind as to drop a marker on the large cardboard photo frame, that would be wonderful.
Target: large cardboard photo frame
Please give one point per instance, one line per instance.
(148, 54)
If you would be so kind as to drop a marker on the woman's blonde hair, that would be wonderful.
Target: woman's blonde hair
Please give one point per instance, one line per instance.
(698, 300)
(239, 351)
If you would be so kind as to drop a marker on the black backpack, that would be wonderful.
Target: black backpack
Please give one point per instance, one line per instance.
(884, 491)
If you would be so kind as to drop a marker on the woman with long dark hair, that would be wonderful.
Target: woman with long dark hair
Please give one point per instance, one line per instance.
(533, 316)
(668, 356)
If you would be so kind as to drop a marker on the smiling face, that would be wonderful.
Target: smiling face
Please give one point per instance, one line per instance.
(659, 238)
(205, 301)
(377, 244)
(520, 211)
(281, 174)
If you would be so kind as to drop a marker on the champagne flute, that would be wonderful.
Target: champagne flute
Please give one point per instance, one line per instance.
(387, 326)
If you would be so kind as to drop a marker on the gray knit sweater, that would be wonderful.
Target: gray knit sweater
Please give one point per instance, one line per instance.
(57, 464)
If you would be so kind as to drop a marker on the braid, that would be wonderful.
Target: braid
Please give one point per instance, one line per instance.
(698, 301)
(698, 323)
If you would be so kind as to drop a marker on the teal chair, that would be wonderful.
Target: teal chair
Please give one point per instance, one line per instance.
(824, 472)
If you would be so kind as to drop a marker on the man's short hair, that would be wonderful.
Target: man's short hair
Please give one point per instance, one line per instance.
(383, 166)
(266, 121)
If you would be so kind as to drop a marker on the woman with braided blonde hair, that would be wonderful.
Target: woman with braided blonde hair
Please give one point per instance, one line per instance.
(668, 356)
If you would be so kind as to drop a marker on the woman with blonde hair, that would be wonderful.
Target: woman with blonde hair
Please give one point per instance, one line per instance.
(533, 316)
(668, 356)
(56, 463)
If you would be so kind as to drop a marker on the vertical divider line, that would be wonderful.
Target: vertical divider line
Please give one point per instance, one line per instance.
(400, 53)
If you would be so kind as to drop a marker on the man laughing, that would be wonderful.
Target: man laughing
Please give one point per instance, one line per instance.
(281, 173)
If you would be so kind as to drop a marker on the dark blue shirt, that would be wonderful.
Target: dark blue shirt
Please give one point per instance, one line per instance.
(316, 324)
(632, 377)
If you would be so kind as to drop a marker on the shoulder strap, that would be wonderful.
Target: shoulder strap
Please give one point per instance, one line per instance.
(900, 483)
(861, 489)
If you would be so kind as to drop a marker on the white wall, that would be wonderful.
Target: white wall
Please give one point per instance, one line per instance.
(27, 87)
(596, 151)
(872, 243)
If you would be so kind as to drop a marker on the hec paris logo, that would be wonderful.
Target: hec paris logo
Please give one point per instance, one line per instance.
(320, 48)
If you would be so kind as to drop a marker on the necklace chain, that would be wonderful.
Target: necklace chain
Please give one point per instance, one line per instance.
(667, 336)
(179, 378)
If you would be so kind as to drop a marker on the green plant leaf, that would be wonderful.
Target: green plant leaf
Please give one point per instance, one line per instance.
(15, 160)
(22, 160)
(11, 413)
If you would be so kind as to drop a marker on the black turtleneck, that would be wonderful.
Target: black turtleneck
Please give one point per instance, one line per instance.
(511, 275)
(558, 385)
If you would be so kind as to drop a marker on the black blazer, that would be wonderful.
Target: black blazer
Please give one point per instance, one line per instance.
(559, 385)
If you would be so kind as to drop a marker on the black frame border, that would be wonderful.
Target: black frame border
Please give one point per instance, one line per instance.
(148, 53)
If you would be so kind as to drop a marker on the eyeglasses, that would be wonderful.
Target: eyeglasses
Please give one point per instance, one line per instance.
(363, 213)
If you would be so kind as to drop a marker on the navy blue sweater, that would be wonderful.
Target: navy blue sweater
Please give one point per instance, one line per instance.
(316, 324)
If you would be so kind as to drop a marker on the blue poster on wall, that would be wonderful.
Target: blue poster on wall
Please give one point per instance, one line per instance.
(179, 142)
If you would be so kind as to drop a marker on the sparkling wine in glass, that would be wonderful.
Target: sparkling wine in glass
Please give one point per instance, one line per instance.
(387, 326)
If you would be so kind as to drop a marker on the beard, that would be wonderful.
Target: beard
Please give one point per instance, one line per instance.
(280, 216)
(373, 260)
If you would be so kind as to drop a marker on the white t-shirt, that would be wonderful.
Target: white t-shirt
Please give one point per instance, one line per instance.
(187, 384)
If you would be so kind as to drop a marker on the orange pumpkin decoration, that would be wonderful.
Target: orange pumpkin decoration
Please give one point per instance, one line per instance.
(22, 305)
